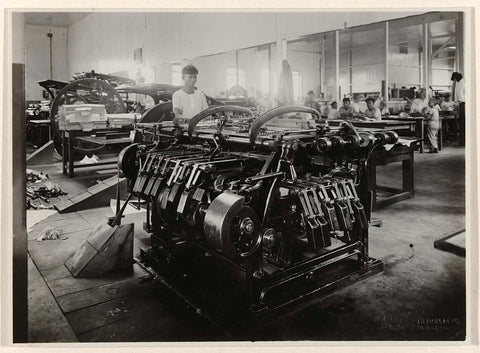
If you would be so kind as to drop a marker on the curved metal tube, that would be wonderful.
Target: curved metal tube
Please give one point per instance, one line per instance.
(273, 113)
(157, 113)
(213, 110)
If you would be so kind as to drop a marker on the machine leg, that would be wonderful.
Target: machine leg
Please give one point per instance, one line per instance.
(408, 176)
(64, 154)
(70, 157)
(253, 267)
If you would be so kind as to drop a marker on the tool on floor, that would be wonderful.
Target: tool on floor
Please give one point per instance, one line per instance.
(109, 247)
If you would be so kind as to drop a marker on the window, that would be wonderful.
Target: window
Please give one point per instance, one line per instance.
(297, 85)
(265, 81)
(177, 75)
(232, 77)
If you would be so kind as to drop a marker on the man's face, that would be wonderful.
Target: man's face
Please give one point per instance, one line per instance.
(189, 80)
(408, 107)
(334, 105)
(431, 103)
(423, 93)
(370, 105)
(310, 96)
(346, 104)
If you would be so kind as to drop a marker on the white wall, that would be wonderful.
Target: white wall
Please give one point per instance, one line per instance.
(105, 41)
(37, 58)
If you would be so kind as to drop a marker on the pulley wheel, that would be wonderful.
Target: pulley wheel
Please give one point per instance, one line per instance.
(323, 144)
(232, 227)
(128, 163)
(353, 141)
(367, 139)
(382, 137)
(393, 136)
(337, 142)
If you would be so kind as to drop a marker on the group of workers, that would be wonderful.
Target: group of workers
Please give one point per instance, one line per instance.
(420, 106)
(187, 102)
(349, 110)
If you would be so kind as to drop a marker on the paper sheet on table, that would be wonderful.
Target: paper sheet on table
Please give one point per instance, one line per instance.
(401, 142)
(35, 216)
(128, 210)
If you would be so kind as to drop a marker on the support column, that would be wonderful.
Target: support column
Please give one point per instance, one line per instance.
(20, 318)
(322, 67)
(336, 79)
(425, 57)
(459, 52)
(385, 92)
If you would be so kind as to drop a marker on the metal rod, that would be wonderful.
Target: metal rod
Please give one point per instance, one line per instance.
(50, 35)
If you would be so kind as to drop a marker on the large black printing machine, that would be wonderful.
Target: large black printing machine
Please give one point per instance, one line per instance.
(249, 216)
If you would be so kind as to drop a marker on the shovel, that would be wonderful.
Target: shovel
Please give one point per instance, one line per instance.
(108, 247)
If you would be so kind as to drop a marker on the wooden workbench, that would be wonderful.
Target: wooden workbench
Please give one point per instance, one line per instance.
(398, 153)
(70, 136)
(407, 127)
(420, 126)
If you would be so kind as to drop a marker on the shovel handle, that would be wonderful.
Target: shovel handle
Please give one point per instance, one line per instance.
(117, 218)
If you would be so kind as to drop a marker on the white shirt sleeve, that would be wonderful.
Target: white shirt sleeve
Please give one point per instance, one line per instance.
(204, 101)
(177, 101)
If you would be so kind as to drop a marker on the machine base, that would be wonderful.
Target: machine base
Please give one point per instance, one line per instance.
(212, 291)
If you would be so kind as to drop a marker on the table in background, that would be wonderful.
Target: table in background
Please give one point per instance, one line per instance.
(40, 131)
(102, 138)
(420, 121)
(398, 153)
(399, 126)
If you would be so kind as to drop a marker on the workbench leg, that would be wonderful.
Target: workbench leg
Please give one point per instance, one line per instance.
(408, 175)
(70, 156)
(64, 154)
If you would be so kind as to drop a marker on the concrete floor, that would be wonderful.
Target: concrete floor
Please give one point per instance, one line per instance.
(419, 296)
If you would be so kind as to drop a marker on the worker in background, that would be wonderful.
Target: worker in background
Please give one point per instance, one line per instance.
(433, 125)
(312, 103)
(406, 111)
(420, 102)
(446, 104)
(355, 106)
(332, 111)
(372, 112)
(383, 108)
(346, 110)
(459, 98)
(187, 101)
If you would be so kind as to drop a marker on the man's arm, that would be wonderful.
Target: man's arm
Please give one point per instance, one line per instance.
(204, 102)
(177, 109)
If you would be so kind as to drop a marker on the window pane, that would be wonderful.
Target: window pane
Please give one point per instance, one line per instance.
(177, 75)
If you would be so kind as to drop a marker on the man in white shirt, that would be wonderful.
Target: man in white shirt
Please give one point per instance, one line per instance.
(419, 103)
(331, 111)
(188, 102)
(355, 106)
(433, 127)
(372, 112)
(459, 98)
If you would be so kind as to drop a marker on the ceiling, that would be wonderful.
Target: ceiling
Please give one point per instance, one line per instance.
(54, 19)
